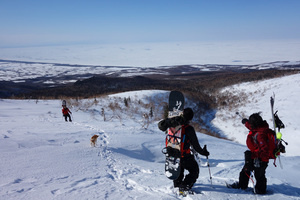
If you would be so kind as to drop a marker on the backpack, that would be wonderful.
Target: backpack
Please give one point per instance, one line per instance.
(176, 137)
(275, 146)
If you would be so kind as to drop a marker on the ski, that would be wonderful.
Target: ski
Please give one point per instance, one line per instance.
(272, 101)
(277, 124)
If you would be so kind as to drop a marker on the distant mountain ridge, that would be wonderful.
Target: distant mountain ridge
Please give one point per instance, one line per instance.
(23, 79)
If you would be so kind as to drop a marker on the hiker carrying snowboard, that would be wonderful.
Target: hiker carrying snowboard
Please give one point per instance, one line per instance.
(258, 155)
(187, 160)
(66, 113)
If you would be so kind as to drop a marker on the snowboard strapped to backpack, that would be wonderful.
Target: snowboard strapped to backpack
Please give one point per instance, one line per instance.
(64, 103)
(175, 137)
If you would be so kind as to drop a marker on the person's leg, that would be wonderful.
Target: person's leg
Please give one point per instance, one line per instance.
(244, 179)
(69, 118)
(245, 173)
(192, 166)
(178, 181)
(261, 180)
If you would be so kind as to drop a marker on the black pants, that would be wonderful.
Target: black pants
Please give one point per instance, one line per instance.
(190, 164)
(66, 116)
(259, 173)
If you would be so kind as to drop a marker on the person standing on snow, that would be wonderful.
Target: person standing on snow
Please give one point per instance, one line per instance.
(66, 113)
(187, 160)
(258, 157)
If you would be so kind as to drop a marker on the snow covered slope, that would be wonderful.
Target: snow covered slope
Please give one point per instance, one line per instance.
(44, 157)
(255, 97)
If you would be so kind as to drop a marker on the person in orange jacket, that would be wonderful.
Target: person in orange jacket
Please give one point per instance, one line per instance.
(66, 113)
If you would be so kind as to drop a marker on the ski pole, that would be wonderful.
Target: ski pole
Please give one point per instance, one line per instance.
(210, 177)
(284, 142)
(239, 115)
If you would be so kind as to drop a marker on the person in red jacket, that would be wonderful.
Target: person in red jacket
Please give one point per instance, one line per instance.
(257, 157)
(66, 113)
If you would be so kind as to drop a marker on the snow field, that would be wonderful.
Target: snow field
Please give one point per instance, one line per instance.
(44, 157)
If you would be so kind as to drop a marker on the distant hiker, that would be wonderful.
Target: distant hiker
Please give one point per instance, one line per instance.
(258, 157)
(188, 162)
(66, 113)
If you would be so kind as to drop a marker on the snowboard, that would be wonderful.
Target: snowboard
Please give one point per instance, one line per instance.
(173, 138)
(64, 103)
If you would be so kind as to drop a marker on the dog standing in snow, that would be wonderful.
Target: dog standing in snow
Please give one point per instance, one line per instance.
(94, 140)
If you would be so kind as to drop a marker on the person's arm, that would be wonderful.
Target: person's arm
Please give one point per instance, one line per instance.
(190, 131)
(170, 122)
(163, 125)
(247, 124)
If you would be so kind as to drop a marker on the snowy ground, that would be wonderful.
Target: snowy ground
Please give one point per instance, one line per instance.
(44, 157)
(255, 97)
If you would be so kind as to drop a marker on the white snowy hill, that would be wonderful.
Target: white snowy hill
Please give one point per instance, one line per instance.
(44, 157)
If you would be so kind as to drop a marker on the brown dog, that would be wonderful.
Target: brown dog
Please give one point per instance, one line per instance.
(94, 140)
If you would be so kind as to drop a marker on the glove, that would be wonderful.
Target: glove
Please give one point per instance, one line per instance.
(180, 120)
(164, 124)
(176, 121)
(244, 121)
(204, 151)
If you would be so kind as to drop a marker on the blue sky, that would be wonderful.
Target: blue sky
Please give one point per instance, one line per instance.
(57, 22)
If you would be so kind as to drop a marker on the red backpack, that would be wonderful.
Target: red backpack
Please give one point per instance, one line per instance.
(275, 146)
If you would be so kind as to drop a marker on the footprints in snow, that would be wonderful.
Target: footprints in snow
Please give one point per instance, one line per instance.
(6, 136)
(77, 185)
(13, 187)
(102, 139)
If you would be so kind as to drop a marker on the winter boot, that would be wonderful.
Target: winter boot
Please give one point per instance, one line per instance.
(234, 185)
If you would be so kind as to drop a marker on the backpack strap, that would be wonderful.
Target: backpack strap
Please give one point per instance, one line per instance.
(172, 138)
(183, 140)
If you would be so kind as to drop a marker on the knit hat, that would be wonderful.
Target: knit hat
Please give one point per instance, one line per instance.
(256, 120)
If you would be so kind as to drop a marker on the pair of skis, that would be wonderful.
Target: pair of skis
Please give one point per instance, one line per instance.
(277, 123)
